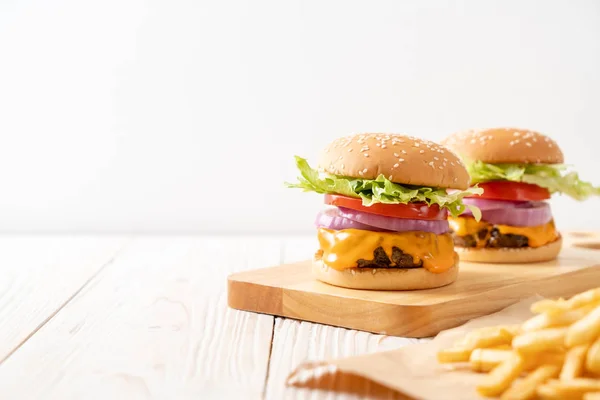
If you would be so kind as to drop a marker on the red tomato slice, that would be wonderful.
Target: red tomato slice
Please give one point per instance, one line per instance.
(408, 211)
(507, 190)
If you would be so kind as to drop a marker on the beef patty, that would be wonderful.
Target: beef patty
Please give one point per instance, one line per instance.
(491, 239)
(380, 259)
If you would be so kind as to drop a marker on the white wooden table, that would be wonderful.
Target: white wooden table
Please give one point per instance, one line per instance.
(100, 317)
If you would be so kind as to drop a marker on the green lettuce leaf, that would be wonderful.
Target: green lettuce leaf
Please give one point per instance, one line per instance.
(381, 190)
(550, 176)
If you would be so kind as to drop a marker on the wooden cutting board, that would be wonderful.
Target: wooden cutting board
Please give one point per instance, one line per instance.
(291, 291)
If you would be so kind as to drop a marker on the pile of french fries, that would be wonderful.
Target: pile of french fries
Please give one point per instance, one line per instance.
(553, 355)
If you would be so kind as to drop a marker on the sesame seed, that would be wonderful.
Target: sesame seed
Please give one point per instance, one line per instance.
(374, 270)
(435, 158)
(390, 178)
(431, 164)
(383, 146)
(422, 151)
(400, 159)
(535, 139)
(416, 144)
(396, 165)
(403, 151)
(366, 154)
(440, 167)
(340, 157)
(452, 163)
(455, 179)
(342, 166)
(516, 134)
(527, 144)
(360, 173)
(377, 144)
(364, 170)
(442, 151)
(396, 155)
(549, 144)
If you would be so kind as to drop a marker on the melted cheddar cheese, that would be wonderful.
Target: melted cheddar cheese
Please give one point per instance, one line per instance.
(341, 249)
(537, 235)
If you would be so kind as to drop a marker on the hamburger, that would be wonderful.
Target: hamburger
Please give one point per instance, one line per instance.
(518, 171)
(384, 224)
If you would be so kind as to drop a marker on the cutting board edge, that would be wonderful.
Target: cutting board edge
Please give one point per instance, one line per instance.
(248, 291)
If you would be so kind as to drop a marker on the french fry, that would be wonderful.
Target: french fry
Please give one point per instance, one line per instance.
(574, 362)
(586, 330)
(514, 330)
(547, 392)
(502, 376)
(579, 300)
(556, 319)
(571, 389)
(526, 388)
(535, 323)
(534, 360)
(549, 339)
(547, 305)
(592, 361)
(488, 337)
(587, 297)
(484, 360)
(452, 355)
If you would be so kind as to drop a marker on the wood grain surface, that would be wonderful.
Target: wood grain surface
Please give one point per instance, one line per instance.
(153, 324)
(39, 275)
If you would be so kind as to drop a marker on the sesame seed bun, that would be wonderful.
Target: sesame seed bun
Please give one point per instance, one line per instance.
(505, 145)
(511, 255)
(400, 158)
(384, 278)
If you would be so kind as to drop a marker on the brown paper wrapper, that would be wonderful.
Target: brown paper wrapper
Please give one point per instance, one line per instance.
(411, 371)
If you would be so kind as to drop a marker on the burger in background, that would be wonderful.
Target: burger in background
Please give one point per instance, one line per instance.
(385, 223)
(518, 171)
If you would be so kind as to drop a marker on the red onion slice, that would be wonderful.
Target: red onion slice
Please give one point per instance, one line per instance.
(331, 219)
(529, 214)
(395, 224)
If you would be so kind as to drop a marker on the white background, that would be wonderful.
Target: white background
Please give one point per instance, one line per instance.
(184, 116)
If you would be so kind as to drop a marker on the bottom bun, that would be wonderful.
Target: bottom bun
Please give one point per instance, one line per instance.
(511, 255)
(384, 278)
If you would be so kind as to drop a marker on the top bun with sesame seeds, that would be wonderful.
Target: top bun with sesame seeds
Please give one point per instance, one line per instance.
(505, 145)
(400, 158)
